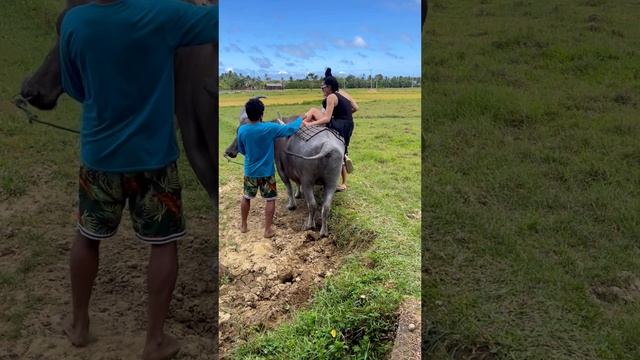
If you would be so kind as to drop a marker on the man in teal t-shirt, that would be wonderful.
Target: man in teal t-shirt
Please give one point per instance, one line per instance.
(117, 59)
(256, 143)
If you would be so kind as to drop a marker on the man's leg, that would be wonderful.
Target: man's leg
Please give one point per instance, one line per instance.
(245, 205)
(83, 266)
(269, 210)
(161, 280)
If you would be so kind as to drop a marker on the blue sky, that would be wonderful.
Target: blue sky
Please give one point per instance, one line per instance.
(292, 38)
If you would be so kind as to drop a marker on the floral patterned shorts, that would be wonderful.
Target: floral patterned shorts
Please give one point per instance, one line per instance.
(266, 185)
(153, 198)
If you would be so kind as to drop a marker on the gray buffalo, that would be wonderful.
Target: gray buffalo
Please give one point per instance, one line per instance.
(196, 98)
(313, 156)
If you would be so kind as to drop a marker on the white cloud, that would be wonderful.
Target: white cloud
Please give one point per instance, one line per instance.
(359, 42)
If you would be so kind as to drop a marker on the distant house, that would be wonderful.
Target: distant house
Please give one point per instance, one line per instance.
(274, 86)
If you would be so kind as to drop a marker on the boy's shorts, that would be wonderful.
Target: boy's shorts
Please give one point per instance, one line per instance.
(267, 186)
(154, 201)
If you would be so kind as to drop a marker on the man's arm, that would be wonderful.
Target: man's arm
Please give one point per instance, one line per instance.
(191, 24)
(69, 72)
(289, 129)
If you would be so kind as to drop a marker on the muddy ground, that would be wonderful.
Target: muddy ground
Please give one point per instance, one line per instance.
(34, 307)
(266, 280)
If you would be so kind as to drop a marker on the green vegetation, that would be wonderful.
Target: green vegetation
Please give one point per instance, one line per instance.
(532, 183)
(377, 220)
(234, 81)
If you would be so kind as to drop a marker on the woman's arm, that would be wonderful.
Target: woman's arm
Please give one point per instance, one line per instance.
(332, 100)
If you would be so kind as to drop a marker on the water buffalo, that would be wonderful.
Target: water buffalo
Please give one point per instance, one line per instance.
(196, 98)
(314, 159)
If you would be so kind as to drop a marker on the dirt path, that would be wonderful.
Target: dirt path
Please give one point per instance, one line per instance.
(266, 280)
(408, 340)
(118, 305)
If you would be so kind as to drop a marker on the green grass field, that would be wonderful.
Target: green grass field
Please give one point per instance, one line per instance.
(379, 216)
(532, 179)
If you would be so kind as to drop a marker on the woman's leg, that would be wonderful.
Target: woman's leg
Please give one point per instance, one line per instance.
(313, 114)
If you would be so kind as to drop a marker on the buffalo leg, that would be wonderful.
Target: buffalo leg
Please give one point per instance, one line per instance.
(291, 201)
(326, 208)
(307, 189)
(298, 193)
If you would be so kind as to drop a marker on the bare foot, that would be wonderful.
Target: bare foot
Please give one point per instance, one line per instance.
(269, 233)
(161, 351)
(341, 187)
(78, 335)
(244, 228)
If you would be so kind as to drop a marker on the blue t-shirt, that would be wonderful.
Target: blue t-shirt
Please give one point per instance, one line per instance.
(117, 60)
(255, 142)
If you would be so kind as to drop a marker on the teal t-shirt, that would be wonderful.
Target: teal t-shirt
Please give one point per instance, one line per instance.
(117, 60)
(255, 142)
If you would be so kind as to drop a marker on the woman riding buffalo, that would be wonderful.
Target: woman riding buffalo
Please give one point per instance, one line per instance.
(337, 109)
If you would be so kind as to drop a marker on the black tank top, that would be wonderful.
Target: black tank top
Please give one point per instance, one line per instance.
(342, 111)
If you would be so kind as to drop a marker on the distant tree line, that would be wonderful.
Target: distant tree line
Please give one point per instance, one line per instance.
(234, 81)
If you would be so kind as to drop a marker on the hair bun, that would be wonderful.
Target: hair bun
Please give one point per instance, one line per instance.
(327, 73)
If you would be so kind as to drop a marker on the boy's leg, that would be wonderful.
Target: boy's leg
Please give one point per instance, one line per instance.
(269, 193)
(161, 280)
(83, 265)
(98, 219)
(269, 211)
(245, 205)
(155, 204)
(250, 189)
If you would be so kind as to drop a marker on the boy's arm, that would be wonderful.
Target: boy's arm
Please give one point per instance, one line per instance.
(240, 145)
(289, 129)
(69, 72)
(191, 24)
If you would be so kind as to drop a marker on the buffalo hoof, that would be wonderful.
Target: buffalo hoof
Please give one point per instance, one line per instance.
(308, 226)
(291, 207)
(324, 233)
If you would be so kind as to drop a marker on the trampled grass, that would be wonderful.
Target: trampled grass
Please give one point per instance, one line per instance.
(531, 179)
(382, 208)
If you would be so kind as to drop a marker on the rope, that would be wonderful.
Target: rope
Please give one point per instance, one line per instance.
(231, 161)
(23, 104)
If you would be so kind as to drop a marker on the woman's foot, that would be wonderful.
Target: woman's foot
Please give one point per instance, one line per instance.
(341, 187)
(348, 164)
